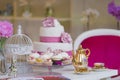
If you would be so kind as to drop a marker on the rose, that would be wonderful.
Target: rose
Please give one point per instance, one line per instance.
(6, 30)
(66, 38)
(48, 22)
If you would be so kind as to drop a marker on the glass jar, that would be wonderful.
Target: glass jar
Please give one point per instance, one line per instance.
(2, 62)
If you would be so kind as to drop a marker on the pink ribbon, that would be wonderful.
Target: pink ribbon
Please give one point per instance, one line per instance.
(50, 39)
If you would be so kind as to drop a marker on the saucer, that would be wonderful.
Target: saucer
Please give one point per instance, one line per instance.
(101, 69)
(82, 73)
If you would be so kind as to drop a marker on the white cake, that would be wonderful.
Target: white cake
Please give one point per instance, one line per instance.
(43, 47)
(52, 36)
(52, 31)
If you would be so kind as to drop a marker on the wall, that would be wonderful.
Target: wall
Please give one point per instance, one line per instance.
(105, 20)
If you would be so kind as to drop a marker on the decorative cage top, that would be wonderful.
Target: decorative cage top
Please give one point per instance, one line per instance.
(19, 44)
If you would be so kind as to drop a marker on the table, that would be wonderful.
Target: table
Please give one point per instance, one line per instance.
(68, 71)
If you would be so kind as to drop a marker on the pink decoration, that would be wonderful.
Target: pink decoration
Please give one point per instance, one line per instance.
(57, 51)
(49, 50)
(66, 38)
(48, 22)
(69, 52)
(50, 39)
(6, 29)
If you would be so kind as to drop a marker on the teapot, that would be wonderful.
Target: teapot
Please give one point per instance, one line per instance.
(80, 58)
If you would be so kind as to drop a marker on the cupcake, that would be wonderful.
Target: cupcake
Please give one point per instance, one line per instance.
(57, 59)
(46, 56)
(32, 57)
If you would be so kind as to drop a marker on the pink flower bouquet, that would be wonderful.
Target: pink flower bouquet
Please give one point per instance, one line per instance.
(6, 30)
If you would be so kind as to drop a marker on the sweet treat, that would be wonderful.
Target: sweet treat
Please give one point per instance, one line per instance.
(33, 56)
(99, 65)
(53, 36)
(47, 55)
(39, 59)
(56, 57)
(55, 44)
(51, 29)
(61, 58)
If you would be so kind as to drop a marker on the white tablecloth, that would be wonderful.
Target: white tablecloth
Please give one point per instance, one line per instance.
(68, 72)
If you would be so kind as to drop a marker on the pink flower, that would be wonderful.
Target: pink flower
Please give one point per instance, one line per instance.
(48, 22)
(49, 50)
(6, 29)
(66, 38)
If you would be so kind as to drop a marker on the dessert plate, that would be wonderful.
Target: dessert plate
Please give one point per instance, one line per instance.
(27, 78)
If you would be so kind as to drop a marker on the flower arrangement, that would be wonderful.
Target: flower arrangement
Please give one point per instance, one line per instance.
(114, 11)
(88, 16)
(6, 30)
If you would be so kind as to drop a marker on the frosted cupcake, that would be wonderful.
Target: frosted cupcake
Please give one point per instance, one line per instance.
(32, 57)
(60, 58)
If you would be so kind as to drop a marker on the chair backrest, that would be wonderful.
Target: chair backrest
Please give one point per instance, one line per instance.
(104, 45)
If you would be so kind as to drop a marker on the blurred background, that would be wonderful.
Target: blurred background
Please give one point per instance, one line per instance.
(70, 13)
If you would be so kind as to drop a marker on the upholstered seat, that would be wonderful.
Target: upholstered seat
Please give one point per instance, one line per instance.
(104, 45)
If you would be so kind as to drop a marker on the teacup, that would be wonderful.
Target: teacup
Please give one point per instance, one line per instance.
(98, 65)
(81, 69)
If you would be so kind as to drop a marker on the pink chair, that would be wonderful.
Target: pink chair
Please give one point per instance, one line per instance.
(104, 45)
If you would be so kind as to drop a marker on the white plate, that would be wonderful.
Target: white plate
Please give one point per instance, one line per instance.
(100, 69)
(26, 78)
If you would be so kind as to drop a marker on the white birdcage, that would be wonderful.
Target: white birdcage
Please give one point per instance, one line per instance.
(17, 48)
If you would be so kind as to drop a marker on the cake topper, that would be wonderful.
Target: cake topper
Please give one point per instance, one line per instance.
(48, 22)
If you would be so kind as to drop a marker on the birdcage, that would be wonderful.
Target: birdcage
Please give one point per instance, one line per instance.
(17, 48)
